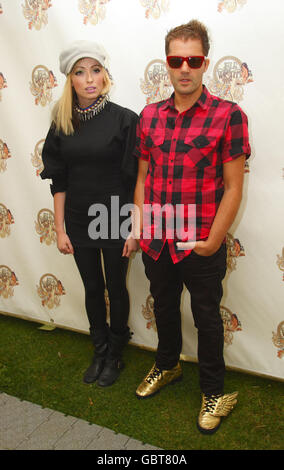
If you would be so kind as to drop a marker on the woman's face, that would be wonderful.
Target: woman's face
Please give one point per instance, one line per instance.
(87, 78)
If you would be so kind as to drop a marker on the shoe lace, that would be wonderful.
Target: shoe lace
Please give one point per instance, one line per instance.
(156, 373)
(210, 402)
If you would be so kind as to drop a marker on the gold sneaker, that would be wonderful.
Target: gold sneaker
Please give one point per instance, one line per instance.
(156, 379)
(213, 408)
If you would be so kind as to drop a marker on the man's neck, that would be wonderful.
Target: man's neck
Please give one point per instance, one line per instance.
(185, 102)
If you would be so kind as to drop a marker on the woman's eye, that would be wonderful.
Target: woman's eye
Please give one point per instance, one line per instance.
(78, 72)
(97, 70)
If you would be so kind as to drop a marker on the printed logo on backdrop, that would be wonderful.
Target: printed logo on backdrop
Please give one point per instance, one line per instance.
(1, 9)
(231, 324)
(93, 10)
(278, 339)
(280, 262)
(50, 290)
(155, 8)
(45, 226)
(247, 169)
(156, 84)
(43, 81)
(8, 280)
(3, 84)
(230, 5)
(6, 219)
(230, 75)
(148, 313)
(234, 251)
(4, 155)
(37, 157)
(35, 11)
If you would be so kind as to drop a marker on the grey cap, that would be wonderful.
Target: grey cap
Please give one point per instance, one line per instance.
(78, 50)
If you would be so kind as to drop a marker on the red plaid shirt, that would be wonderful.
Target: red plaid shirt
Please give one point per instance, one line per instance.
(186, 152)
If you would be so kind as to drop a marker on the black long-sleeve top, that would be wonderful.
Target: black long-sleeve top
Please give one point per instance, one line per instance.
(92, 166)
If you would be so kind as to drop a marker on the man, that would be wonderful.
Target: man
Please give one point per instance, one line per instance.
(192, 149)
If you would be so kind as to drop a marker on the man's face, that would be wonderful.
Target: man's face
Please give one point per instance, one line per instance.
(185, 80)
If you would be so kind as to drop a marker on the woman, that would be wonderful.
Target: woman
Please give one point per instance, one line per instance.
(88, 156)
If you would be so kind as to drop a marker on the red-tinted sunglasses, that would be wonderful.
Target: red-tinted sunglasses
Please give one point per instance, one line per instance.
(194, 62)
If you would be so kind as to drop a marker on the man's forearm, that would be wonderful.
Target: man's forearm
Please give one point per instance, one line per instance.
(225, 216)
(138, 209)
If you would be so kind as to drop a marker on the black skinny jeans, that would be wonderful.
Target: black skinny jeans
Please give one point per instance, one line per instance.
(89, 263)
(202, 277)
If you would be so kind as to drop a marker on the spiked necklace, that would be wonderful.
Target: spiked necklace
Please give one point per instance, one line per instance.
(87, 113)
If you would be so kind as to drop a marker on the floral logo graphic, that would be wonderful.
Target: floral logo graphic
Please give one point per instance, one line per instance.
(234, 251)
(231, 324)
(93, 10)
(278, 339)
(50, 290)
(35, 11)
(280, 262)
(156, 84)
(6, 219)
(43, 80)
(230, 5)
(45, 226)
(3, 84)
(8, 280)
(230, 75)
(36, 157)
(148, 313)
(155, 8)
(4, 155)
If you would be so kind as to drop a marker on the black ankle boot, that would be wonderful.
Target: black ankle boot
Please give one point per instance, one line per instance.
(94, 370)
(113, 362)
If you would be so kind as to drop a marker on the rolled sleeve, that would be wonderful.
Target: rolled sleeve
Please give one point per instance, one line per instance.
(141, 150)
(54, 166)
(236, 139)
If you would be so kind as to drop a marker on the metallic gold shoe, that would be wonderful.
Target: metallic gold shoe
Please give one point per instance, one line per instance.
(213, 408)
(156, 379)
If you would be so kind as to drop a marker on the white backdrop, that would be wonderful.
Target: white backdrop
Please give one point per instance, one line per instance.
(37, 282)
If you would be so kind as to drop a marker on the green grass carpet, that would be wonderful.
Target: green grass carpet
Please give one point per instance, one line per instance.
(46, 368)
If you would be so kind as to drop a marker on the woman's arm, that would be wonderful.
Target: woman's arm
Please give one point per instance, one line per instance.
(63, 242)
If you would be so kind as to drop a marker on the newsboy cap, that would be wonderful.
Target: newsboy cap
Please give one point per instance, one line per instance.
(78, 50)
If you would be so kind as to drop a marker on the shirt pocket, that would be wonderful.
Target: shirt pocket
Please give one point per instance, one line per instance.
(201, 151)
(154, 143)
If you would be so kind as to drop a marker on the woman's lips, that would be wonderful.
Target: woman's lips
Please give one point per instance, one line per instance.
(90, 89)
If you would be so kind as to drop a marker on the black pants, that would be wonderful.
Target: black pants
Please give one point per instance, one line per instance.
(202, 277)
(89, 263)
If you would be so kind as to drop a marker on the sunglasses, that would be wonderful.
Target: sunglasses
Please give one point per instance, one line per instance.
(194, 62)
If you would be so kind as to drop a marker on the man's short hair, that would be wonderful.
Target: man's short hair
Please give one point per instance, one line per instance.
(192, 30)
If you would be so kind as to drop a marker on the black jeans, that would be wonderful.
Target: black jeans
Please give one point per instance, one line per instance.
(202, 276)
(89, 263)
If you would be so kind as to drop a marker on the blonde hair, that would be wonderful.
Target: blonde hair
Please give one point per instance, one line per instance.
(62, 113)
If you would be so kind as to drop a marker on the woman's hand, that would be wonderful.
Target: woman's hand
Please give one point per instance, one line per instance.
(63, 244)
(131, 245)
